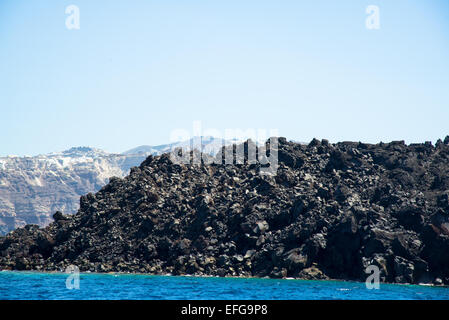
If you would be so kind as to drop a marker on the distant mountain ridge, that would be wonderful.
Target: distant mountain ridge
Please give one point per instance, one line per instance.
(210, 145)
(33, 188)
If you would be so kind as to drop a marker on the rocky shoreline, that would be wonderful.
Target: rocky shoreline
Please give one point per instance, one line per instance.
(329, 212)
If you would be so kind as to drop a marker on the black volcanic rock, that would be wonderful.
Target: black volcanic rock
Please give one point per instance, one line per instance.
(329, 212)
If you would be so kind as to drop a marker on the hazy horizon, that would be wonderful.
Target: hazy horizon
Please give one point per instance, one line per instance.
(137, 70)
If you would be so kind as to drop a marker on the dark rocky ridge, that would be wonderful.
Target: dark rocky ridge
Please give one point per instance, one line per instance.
(331, 210)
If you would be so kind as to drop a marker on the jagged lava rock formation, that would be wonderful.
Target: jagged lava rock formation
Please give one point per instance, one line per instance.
(331, 210)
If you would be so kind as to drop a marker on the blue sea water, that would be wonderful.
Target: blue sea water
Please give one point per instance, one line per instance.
(33, 285)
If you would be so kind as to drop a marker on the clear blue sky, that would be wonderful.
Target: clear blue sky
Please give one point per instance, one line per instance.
(136, 70)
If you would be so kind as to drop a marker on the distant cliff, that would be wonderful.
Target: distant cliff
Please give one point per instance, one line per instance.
(33, 188)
